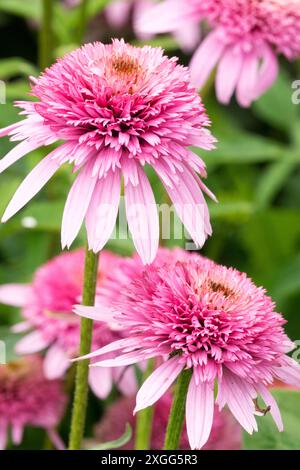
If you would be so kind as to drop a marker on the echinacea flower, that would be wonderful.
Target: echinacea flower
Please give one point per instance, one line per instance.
(117, 109)
(118, 12)
(225, 434)
(47, 306)
(27, 398)
(246, 37)
(214, 321)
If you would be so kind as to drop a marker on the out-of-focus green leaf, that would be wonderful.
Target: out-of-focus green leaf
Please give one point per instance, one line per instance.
(27, 9)
(231, 210)
(124, 439)
(18, 89)
(16, 66)
(276, 107)
(42, 216)
(287, 282)
(10, 339)
(268, 437)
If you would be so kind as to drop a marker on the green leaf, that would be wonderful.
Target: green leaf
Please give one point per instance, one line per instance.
(287, 283)
(10, 339)
(27, 9)
(124, 439)
(275, 107)
(268, 437)
(15, 66)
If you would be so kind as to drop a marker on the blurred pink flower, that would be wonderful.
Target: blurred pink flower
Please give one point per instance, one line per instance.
(117, 108)
(246, 37)
(225, 434)
(27, 398)
(210, 319)
(118, 13)
(47, 311)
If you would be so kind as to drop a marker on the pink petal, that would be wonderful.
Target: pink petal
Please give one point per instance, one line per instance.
(268, 71)
(21, 327)
(126, 359)
(289, 373)
(16, 295)
(3, 435)
(56, 439)
(118, 345)
(199, 413)
(188, 35)
(228, 73)
(142, 216)
(31, 343)
(125, 380)
(77, 205)
(117, 13)
(6, 130)
(56, 362)
(206, 58)
(270, 401)
(31, 185)
(158, 383)
(97, 313)
(248, 79)
(103, 210)
(18, 152)
(100, 380)
(17, 433)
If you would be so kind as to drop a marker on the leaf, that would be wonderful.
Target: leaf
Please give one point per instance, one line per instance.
(16, 66)
(124, 439)
(275, 107)
(10, 339)
(268, 437)
(287, 283)
(27, 9)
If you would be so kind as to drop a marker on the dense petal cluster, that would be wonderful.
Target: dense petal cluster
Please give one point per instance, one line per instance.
(116, 108)
(27, 398)
(213, 320)
(47, 306)
(245, 38)
(225, 435)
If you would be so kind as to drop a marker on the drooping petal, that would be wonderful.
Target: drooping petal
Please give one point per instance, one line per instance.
(21, 327)
(97, 313)
(268, 71)
(158, 383)
(17, 433)
(247, 80)
(271, 402)
(16, 295)
(100, 380)
(142, 216)
(19, 151)
(6, 130)
(199, 413)
(103, 210)
(228, 73)
(32, 184)
(289, 373)
(56, 439)
(77, 205)
(125, 379)
(188, 35)
(127, 359)
(206, 58)
(118, 345)
(3, 434)
(56, 362)
(31, 343)
(117, 13)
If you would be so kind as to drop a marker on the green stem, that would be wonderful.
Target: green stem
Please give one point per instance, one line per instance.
(177, 413)
(82, 370)
(144, 419)
(83, 17)
(46, 35)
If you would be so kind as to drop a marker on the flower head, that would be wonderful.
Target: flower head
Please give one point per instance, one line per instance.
(225, 435)
(27, 398)
(210, 319)
(245, 38)
(117, 108)
(47, 306)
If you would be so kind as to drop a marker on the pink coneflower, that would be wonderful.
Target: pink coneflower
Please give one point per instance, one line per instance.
(27, 398)
(246, 37)
(118, 13)
(117, 108)
(225, 434)
(214, 321)
(47, 311)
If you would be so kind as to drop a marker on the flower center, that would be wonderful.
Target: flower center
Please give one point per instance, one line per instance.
(220, 288)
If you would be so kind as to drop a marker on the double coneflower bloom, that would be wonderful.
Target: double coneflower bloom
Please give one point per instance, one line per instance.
(245, 37)
(116, 109)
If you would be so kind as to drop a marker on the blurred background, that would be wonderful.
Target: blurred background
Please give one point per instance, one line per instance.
(255, 173)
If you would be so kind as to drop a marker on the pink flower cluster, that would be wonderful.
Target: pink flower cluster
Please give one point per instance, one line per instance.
(212, 320)
(245, 38)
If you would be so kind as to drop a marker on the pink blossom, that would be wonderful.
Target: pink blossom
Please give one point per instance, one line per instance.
(117, 108)
(27, 398)
(225, 435)
(210, 319)
(47, 313)
(246, 37)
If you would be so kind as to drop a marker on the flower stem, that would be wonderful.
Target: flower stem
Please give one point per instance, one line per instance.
(46, 35)
(82, 369)
(144, 419)
(83, 16)
(177, 413)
